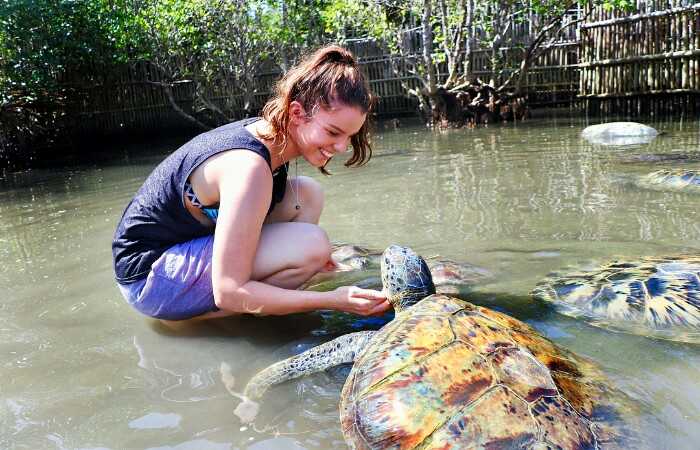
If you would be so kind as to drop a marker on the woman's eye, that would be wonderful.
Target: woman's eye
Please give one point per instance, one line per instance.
(332, 133)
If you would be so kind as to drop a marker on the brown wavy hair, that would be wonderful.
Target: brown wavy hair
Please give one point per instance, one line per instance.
(330, 74)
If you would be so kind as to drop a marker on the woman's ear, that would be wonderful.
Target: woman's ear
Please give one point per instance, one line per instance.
(297, 113)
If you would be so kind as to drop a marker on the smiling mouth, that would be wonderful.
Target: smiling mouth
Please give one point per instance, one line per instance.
(326, 154)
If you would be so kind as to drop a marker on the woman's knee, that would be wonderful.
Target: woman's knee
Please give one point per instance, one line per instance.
(316, 246)
(311, 196)
(295, 245)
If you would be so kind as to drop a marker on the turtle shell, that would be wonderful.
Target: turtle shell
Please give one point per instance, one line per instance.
(652, 296)
(683, 180)
(619, 133)
(448, 374)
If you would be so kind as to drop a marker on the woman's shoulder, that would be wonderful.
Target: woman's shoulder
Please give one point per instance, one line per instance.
(225, 139)
(237, 163)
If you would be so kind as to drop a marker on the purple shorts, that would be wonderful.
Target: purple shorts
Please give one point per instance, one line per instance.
(179, 284)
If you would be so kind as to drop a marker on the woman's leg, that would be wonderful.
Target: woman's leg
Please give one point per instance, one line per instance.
(290, 253)
(292, 247)
(305, 192)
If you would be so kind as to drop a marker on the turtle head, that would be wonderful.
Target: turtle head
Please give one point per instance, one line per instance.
(405, 276)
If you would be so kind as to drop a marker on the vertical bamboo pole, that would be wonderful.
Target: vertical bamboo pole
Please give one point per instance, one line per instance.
(681, 78)
(694, 22)
(581, 56)
(605, 74)
(688, 30)
(640, 35)
(651, 49)
(693, 30)
(637, 68)
(671, 39)
(622, 34)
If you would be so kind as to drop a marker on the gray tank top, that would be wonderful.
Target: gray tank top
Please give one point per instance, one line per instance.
(156, 218)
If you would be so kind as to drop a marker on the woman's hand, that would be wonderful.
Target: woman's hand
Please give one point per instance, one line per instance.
(364, 302)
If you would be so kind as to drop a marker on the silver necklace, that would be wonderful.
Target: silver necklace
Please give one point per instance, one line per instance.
(296, 180)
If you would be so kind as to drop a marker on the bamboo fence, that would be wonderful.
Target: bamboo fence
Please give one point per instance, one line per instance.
(646, 63)
(125, 101)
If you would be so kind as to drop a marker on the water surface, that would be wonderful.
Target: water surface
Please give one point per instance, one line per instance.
(83, 371)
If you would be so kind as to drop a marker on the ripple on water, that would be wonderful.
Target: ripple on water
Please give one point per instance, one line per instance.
(153, 421)
(522, 200)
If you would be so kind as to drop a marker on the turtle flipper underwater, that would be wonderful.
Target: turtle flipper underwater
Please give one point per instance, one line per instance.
(448, 374)
(341, 350)
(652, 296)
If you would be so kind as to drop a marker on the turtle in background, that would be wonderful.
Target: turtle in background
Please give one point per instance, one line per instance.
(660, 158)
(619, 133)
(448, 374)
(651, 296)
(681, 180)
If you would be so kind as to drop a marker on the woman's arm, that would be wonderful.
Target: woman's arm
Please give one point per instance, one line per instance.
(245, 184)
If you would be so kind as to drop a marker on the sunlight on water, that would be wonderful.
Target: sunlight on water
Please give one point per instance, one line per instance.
(82, 370)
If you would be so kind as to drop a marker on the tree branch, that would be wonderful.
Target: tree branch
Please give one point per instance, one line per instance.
(455, 59)
(532, 50)
(168, 89)
(428, 46)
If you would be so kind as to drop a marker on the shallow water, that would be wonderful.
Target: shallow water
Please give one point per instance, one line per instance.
(83, 371)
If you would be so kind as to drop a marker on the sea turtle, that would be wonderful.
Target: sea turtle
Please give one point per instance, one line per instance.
(652, 296)
(619, 133)
(448, 374)
(359, 266)
(660, 158)
(682, 180)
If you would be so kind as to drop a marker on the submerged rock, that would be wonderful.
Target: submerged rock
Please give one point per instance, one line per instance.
(619, 133)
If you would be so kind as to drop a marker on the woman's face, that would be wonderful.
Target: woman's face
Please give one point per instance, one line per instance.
(319, 137)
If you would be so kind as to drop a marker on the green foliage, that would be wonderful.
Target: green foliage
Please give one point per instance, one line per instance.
(47, 49)
(622, 5)
(176, 33)
(44, 40)
(345, 19)
(295, 24)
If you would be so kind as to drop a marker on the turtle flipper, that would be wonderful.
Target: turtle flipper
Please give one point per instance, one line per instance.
(329, 354)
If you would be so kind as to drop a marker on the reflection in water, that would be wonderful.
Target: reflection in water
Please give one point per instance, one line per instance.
(196, 444)
(156, 420)
(82, 370)
(174, 385)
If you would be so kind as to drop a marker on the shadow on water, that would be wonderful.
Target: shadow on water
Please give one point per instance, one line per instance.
(255, 328)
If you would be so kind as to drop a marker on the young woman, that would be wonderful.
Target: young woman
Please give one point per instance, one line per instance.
(218, 228)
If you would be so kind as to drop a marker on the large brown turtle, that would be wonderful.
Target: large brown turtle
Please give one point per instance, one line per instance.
(448, 374)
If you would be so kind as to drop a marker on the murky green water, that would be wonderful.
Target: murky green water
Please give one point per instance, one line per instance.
(80, 370)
